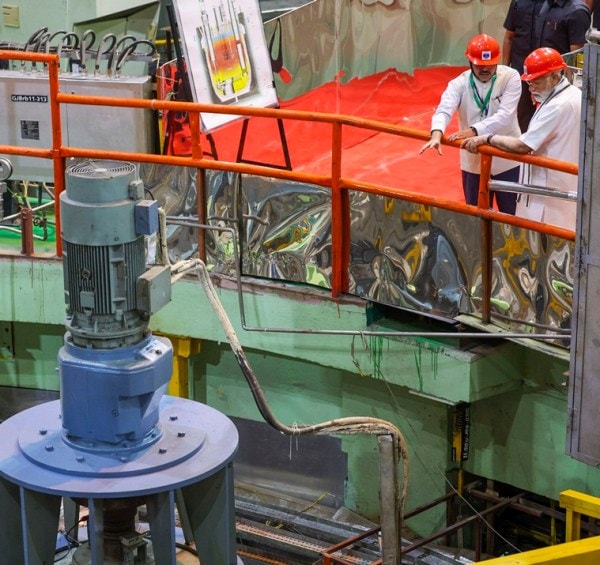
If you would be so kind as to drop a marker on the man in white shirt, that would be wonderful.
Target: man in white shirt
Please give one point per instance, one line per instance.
(553, 132)
(486, 98)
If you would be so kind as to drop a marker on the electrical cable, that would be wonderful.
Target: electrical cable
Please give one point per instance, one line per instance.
(130, 51)
(115, 50)
(85, 46)
(111, 40)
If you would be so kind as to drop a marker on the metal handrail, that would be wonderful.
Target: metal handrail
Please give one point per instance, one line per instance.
(338, 185)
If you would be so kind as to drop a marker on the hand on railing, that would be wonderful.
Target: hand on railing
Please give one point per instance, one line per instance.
(472, 143)
(462, 134)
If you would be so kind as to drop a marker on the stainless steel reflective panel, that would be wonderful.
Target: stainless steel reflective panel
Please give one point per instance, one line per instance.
(402, 254)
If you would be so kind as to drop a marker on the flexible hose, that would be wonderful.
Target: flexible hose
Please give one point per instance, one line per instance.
(348, 425)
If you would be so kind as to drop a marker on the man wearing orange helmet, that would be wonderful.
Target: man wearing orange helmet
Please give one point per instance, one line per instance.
(486, 98)
(529, 24)
(553, 132)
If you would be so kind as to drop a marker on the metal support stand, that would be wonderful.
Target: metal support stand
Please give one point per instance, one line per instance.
(391, 524)
(31, 491)
(284, 146)
(213, 147)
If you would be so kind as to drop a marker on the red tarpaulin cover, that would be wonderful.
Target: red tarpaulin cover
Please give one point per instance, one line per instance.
(390, 96)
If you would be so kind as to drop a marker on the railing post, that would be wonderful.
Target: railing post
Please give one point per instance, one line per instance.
(575, 504)
(340, 218)
(572, 525)
(184, 347)
(58, 161)
(200, 182)
(486, 239)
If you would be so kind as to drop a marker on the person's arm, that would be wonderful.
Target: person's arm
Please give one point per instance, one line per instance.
(578, 24)
(448, 105)
(504, 142)
(507, 46)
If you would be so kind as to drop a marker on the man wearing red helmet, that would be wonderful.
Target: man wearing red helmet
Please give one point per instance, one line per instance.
(529, 24)
(553, 132)
(486, 98)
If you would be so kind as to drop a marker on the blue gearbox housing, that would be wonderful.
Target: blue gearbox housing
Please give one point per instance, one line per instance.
(113, 372)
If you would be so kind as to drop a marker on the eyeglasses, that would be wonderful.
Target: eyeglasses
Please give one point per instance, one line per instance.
(537, 81)
(540, 80)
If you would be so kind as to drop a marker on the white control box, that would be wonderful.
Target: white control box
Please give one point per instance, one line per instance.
(25, 118)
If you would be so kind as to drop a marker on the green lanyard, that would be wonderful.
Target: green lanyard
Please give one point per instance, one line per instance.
(482, 104)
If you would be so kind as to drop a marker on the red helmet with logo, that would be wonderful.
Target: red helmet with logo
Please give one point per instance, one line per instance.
(541, 62)
(483, 50)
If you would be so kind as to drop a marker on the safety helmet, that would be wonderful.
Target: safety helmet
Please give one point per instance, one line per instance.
(483, 50)
(542, 62)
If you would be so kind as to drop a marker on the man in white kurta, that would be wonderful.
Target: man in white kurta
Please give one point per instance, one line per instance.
(553, 132)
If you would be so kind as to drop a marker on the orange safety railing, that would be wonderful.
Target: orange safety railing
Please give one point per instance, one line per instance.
(339, 186)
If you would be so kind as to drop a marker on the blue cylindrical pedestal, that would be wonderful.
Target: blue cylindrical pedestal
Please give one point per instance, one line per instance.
(189, 465)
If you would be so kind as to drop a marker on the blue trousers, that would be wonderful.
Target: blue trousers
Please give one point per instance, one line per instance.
(506, 201)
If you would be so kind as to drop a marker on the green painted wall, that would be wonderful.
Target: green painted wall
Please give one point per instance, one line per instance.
(56, 15)
(28, 357)
(60, 14)
(520, 439)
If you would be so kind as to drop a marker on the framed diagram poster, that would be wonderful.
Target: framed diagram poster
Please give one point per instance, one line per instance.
(226, 55)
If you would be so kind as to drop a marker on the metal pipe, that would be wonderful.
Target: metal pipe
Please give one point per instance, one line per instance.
(444, 498)
(35, 209)
(518, 505)
(460, 524)
(58, 160)
(27, 232)
(391, 520)
(197, 152)
(328, 555)
(504, 186)
(20, 232)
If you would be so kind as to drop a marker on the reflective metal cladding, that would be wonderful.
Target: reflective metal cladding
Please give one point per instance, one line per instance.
(402, 254)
